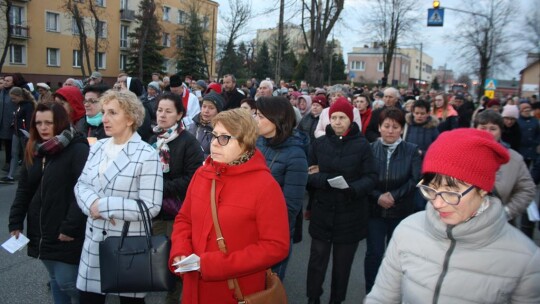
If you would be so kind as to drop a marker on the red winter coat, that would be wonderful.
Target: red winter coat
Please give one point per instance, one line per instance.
(253, 218)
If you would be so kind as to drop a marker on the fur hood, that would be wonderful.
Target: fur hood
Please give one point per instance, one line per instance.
(432, 121)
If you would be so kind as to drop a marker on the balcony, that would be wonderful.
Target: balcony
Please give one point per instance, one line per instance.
(127, 15)
(19, 31)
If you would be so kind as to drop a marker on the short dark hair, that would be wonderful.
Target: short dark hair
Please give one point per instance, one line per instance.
(96, 88)
(280, 112)
(175, 98)
(420, 103)
(394, 114)
(250, 102)
(489, 116)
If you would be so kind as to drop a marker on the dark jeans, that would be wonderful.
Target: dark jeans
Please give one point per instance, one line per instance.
(380, 231)
(96, 298)
(342, 259)
(7, 146)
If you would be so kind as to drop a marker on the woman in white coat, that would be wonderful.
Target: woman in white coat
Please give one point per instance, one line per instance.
(119, 170)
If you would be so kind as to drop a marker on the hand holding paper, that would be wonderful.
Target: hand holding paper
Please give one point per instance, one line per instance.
(338, 182)
(15, 244)
(191, 263)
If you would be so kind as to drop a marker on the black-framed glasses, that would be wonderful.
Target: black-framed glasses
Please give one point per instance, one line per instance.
(92, 101)
(449, 197)
(222, 139)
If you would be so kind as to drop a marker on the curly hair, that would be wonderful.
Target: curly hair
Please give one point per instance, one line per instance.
(128, 102)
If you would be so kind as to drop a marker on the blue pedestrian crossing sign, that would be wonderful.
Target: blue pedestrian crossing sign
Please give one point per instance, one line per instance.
(491, 84)
(435, 17)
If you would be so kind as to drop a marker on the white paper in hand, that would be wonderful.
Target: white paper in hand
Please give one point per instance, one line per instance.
(191, 263)
(532, 212)
(13, 245)
(338, 182)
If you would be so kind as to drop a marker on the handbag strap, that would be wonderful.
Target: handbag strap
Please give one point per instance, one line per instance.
(233, 283)
(143, 209)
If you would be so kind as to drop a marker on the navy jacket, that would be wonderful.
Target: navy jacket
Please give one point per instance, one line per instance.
(530, 137)
(424, 134)
(289, 167)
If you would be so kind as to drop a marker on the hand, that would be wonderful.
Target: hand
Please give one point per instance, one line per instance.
(65, 238)
(178, 259)
(313, 169)
(15, 233)
(386, 200)
(94, 210)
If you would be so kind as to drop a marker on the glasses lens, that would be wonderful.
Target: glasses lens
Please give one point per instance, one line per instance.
(223, 139)
(427, 192)
(90, 101)
(451, 198)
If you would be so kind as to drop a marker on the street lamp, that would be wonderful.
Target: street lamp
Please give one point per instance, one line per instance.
(436, 4)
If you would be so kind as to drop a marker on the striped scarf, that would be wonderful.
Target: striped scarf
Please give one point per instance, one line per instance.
(55, 144)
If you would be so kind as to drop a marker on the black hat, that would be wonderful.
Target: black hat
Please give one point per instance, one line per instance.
(216, 99)
(175, 81)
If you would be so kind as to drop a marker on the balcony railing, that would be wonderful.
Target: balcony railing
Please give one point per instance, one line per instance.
(20, 31)
(127, 15)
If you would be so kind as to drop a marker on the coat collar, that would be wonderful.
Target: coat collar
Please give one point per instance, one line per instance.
(122, 160)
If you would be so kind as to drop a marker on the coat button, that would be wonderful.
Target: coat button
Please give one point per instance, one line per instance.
(91, 229)
(104, 232)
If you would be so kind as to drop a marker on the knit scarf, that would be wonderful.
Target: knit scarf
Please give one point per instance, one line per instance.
(164, 137)
(55, 144)
(391, 147)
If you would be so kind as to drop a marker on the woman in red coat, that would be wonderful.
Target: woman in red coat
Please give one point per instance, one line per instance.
(251, 210)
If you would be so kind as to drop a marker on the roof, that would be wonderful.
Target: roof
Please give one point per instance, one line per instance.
(529, 65)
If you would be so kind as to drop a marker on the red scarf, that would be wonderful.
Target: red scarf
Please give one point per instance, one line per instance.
(185, 97)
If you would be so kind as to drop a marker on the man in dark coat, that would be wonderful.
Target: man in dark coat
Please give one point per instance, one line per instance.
(465, 111)
(231, 93)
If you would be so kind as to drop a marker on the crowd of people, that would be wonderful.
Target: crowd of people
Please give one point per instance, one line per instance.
(433, 181)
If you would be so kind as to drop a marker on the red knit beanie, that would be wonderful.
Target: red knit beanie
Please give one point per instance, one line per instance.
(470, 155)
(342, 105)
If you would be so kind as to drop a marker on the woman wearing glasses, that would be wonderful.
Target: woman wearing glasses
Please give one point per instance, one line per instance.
(461, 249)
(251, 210)
(92, 126)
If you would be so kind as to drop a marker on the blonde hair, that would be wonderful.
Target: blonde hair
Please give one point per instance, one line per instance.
(241, 125)
(128, 102)
(24, 93)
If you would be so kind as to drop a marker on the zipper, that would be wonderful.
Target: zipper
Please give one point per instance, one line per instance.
(383, 214)
(449, 252)
(41, 206)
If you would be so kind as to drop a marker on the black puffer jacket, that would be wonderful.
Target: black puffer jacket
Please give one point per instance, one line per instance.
(45, 197)
(308, 124)
(398, 176)
(337, 215)
(186, 157)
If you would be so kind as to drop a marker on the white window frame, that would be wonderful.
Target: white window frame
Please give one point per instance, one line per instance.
(181, 17)
(380, 66)
(124, 4)
(102, 28)
(124, 41)
(12, 54)
(102, 60)
(180, 41)
(166, 13)
(48, 26)
(101, 3)
(166, 40)
(74, 28)
(123, 62)
(358, 65)
(76, 59)
(53, 57)
(18, 18)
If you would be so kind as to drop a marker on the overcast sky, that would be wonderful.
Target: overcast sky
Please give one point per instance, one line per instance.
(435, 41)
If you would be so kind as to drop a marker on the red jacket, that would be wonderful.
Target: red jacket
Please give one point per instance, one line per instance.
(253, 218)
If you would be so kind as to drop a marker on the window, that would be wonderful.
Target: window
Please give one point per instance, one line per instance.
(16, 15)
(166, 40)
(74, 28)
(77, 59)
(358, 65)
(52, 20)
(100, 3)
(123, 36)
(123, 62)
(166, 11)
(179, 42)
(124, 4)
(53, 57)
(182, 16)
(17, 54)
(380, 66)
(101, 28)
(204, 23)
(102, 60)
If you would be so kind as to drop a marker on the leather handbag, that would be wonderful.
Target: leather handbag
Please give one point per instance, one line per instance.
(135, 263)
(274, 292)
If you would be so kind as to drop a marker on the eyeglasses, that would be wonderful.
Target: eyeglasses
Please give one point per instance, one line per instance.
(222, 140)
(91, 101)
(449, 197)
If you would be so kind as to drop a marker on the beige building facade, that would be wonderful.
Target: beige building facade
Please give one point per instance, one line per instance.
(530, 76)
(365, 65)
(45, 39)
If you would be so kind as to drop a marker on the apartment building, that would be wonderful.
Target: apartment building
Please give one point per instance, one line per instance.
(44, 46)
(365, 65)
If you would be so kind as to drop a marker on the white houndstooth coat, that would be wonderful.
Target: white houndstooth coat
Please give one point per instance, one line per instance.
(135, 174)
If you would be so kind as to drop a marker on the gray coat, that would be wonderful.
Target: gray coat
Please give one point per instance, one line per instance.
(515, 186)
(489, 261)
(135, 174)
(7, 107)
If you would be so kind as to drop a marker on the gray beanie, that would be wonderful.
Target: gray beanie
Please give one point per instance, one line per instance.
(154, 85)
(202, 84)
(216, 99)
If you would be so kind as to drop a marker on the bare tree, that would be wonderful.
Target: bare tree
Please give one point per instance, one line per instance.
(485, 43)
(532, 30)
(318, 19)
(73, 10)
(234, 25)
(390, 21)
(6, 28)
(97, 25)
(279, 40)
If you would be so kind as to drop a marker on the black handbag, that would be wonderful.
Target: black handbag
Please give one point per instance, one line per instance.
(136, 263)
